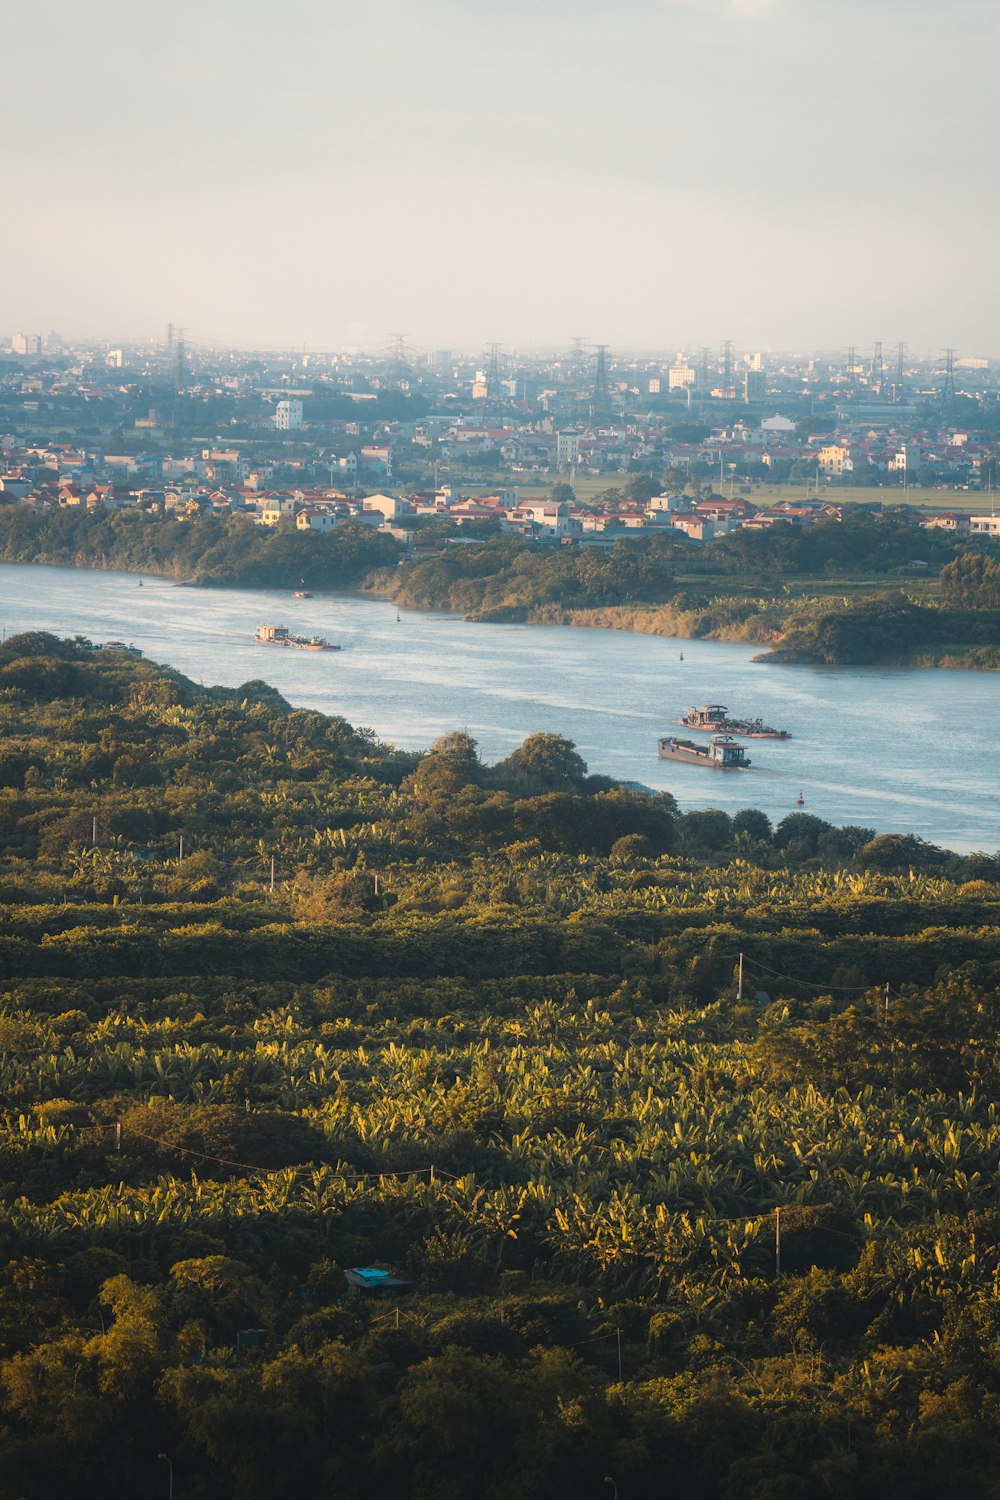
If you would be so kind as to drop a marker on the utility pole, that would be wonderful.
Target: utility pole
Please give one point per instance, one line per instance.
(93, 840)
(739, 982)
(170, 1475)
(621, 1378)
(777, 1242)
(272, 873)
(180, 850)
(850, 364)
(887, 999)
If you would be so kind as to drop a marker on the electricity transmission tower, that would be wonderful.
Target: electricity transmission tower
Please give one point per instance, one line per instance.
(493, 378)
(180, 353)
(897, 390)
(399, 358)
(876, 373)
(600, 400)
(577, 373)
(948, 393)
(727, 370)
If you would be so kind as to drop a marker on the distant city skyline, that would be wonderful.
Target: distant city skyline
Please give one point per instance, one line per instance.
(783, 173)
(38, 346)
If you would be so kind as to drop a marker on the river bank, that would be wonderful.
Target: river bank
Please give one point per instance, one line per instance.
(639, 590)
(891, 750)
(789, 634)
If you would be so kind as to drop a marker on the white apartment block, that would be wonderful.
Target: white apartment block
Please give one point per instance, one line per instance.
(567, 449)
(288, 416)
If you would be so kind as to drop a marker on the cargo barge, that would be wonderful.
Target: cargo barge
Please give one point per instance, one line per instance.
(713, 718)
(721, 753)
(280, 635)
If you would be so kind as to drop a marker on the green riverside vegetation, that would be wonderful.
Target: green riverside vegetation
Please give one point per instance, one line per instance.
(869, 589)
(478, 1026)
(861, 590)
(222, 551)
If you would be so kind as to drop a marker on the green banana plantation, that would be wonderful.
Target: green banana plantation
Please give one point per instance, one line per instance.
(672, 1164)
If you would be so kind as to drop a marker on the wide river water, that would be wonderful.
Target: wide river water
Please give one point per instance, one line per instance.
(898, 751)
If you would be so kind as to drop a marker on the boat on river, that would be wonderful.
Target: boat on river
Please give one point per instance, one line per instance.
(722, 752)
(125, 646)
(280, 635)
(713, 718)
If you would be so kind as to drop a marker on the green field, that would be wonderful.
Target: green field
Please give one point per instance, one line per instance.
(921, 498)
(589, 487)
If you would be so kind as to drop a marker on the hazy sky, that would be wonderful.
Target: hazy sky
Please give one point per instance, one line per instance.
(646, 173)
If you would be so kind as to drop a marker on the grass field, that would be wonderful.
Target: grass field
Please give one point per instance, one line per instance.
(589, 487)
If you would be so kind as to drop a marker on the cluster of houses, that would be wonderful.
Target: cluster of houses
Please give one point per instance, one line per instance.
(860, 450)
(223, 481)
(319, 509)
(326, 488)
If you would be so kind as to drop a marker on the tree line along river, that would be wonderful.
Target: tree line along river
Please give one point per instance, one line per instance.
(892, 749)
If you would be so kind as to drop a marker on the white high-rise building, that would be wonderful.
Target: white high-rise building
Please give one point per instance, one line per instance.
(288, 416)
(26, 343)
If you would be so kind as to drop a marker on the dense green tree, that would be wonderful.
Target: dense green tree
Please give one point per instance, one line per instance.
(752, 826)
(451, 764)
(543, 763)
(707, 832)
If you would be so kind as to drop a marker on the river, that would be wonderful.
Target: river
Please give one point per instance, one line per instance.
(891, 749)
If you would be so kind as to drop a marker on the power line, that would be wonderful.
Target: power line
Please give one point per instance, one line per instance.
(243, 1166)
(844, 989)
